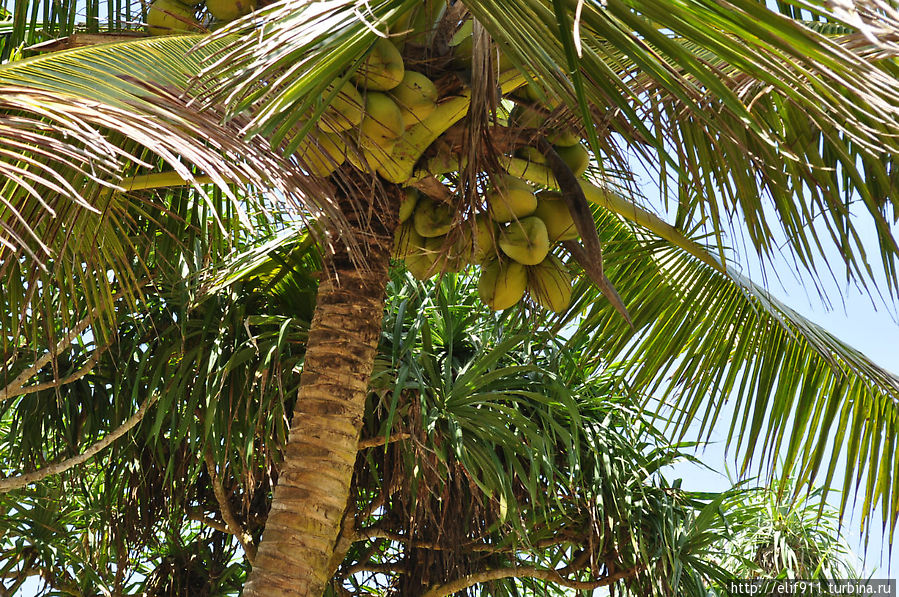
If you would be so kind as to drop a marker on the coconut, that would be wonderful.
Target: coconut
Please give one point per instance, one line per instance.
(170, 16)
(228, 10)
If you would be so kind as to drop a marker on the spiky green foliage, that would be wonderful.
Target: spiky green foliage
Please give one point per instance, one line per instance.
(221, 372)
(79, 178)
(784, 536)
(512, 452)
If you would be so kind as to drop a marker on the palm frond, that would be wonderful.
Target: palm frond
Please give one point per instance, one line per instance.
(223, 367)
(74, 124)
(717, 97)
(144, 83)
(713, 97)
(711, 341)
(37, 23)
(303, 48)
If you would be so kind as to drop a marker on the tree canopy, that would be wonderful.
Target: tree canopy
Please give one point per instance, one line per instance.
(488, 448)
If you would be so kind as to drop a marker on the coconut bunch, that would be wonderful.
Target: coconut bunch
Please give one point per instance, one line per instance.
(165, 17)
(383, 117)
(537, 109)
(368, 113)
(511, 241)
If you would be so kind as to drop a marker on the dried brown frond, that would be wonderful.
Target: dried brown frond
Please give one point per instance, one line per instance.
(479, 154)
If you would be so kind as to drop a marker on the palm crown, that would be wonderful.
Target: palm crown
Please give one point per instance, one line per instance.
(756, 124)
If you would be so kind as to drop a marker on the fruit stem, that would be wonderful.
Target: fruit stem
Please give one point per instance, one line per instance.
(153, 181)
(410, 147)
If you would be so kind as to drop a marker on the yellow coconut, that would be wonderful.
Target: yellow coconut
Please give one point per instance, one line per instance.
(423, 264)
(531, 154)
(576, 156)
(458, 254)
(344, 112)
(554, 212)
(539, 95)
(502, 283)
(510, 198)
(462, 45)
(407, 206)
(416, 95)
(381, 127)
(170, 16)
(321, 154)
(564, 136)
(558, 133)
(432, 218)
(406, 241)
(382, 123)
(382, 69)
(526, 241)
(526, 117)
(450, 254)
(484, 238)
(228, 10)
(549, 284)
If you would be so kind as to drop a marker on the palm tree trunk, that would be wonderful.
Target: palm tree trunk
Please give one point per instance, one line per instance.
(314, 482)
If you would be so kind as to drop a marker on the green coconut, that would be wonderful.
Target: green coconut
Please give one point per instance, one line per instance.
(170, 16)
(228, 10)
(344, 112)
(416, 95)
(432, 218)
(407, 205)
(510, 198)
(502, 283)
(382, 69)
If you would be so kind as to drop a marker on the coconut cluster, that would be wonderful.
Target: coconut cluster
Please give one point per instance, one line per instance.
(165, 17)
(511, 242)
(510, 239)
(368, 113)
(382, 116)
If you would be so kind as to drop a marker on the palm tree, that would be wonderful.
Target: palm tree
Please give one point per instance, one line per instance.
(176, 507)
(751, 120)
(785, 537)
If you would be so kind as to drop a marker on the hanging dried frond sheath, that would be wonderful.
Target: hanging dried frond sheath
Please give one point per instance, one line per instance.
(590, 255)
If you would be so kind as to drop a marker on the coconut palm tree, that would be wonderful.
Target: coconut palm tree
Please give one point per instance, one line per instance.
(771, 128)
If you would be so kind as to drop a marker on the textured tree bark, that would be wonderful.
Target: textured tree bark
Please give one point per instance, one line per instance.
(314, 481)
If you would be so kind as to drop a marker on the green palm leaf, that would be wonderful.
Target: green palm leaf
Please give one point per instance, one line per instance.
(77, 128)
(718, 96)
(727, 342)
(730, 93)
(741, 113)
(305, 47)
